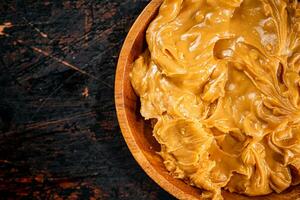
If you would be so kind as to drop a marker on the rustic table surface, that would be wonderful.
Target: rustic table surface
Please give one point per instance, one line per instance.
(59, 135)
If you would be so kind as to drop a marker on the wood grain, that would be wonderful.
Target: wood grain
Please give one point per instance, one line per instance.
(59, 135)
(138, 133)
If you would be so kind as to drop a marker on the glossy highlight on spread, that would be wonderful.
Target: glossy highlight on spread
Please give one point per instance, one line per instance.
(220, 82)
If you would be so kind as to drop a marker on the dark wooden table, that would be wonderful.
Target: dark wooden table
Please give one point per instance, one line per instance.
(59, 135)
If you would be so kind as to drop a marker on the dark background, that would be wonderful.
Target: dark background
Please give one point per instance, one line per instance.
(59, 135)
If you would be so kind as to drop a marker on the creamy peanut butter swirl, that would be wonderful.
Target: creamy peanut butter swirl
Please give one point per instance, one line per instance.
(220, 78)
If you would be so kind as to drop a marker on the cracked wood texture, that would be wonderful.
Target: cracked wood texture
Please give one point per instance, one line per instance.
(59, 135)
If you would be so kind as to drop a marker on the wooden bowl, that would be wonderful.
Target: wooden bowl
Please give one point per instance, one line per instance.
(138, 133)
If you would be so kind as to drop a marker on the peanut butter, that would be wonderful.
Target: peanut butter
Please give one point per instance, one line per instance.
(220, 78)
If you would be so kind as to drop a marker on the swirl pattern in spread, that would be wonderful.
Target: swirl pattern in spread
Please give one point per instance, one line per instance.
(220, 78)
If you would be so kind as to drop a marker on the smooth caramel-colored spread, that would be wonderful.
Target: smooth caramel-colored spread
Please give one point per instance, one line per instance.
(220, 78)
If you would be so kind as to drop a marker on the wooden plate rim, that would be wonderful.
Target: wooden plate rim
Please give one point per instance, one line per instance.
(120, 105)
